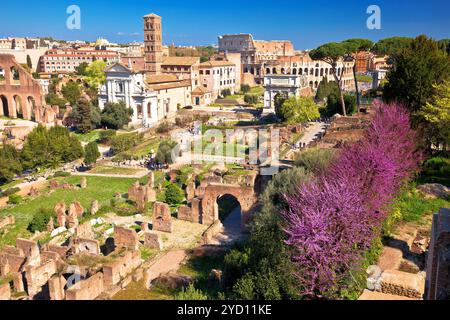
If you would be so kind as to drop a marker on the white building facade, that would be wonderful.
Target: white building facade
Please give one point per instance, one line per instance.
(284, 84)
(122, 84)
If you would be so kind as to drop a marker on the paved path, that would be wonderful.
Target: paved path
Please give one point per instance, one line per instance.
(138, 175)
(312, 132)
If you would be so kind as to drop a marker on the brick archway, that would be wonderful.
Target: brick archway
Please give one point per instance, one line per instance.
(18, 88)
(246, 197)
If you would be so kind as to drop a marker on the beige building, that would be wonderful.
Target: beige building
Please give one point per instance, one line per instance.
(66, 60)
(216, 76)
(185, 68)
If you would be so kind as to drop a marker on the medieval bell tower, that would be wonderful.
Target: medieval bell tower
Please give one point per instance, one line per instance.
(153, 43)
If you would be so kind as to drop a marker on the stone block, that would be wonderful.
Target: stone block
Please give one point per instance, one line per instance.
(402, 284)
(153, 241)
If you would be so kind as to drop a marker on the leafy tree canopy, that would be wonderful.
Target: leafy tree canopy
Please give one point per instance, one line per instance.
(299, 109)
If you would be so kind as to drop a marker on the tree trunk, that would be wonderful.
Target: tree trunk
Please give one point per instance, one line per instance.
(358, 97)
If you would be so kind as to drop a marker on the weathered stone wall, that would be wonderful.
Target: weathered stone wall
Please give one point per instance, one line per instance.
(86, 290)
(5, 292)
(23, 96)
(153, 241)
(121, 268)
(7, 221)
(162, 219)
(56, 288)
(30, 250)
(211, 232)
(126, 238)
(438, 265)
(38, 276)
(88, 246)
(245, 195)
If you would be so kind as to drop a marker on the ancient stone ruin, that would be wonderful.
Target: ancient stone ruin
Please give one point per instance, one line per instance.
(142, 195)
(162, 219)
(438, 266)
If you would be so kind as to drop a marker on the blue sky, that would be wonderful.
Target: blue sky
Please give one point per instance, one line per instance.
(199, 22)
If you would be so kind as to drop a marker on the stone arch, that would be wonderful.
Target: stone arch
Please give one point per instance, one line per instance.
(18, 106)
(267, 70)
(246, 197)
(4, 106)
(283, 71)
(31, 107)
(274, 70)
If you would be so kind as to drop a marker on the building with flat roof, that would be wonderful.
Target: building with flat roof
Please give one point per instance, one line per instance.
(67, 60)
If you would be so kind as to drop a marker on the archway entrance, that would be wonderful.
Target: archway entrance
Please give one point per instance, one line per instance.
(230, 214)
(4, 105)
(18, 106)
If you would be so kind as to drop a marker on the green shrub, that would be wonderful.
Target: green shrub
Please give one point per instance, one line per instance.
(106, 136)
(9, 192)
(14, 199)
(125, 142)
(61, 174)
(164, 127)
(174, 194)
(251, 99)
(315, 160)
(245, 88)
(40, 220)
(225, 93)
(191, 294)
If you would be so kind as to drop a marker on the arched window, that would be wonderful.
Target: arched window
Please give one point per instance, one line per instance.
(311, 72)
(15, 74)
(311, 84)
(267, 70)
(316, 84)
(283, 71)
(294, 71)
(317, 73)
(149, 110)
(18, 106)
(300, 71)
(2, 75)
(321, 72)
(274, 70)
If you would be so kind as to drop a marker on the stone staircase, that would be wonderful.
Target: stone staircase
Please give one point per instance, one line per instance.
(399, 275)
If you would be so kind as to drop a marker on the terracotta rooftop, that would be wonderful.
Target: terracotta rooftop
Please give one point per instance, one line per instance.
(211, 64)
(160, 78)
(200, 90)
(180, 61)
(169, 85)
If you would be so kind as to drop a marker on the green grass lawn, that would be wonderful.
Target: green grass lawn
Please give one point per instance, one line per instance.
(99, 188)
(144, 148)
(413, 207)
(114, 170)
(94, 135)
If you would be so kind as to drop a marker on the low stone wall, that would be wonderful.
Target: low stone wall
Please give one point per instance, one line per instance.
(5, 292)
(88, 289)
(7, 221)
(211, 232)
(402, 284)
(121, 268)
